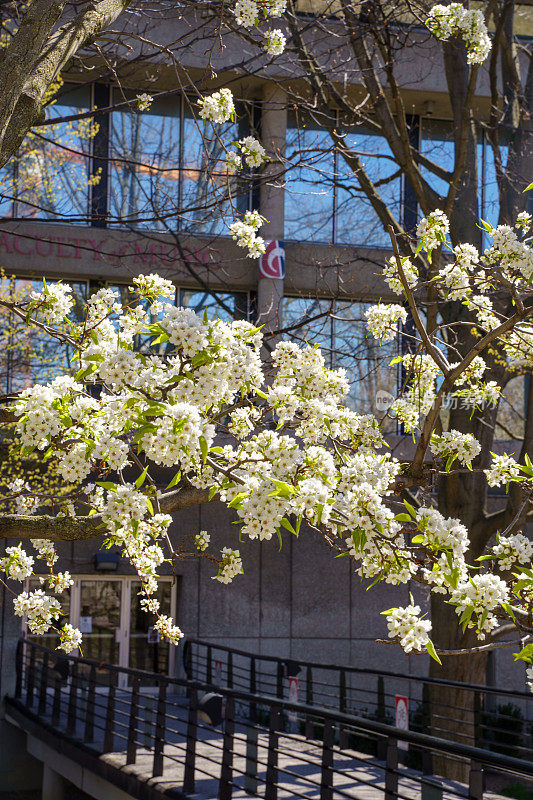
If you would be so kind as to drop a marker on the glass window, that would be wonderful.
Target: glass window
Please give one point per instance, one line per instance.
(356, 222)
(226, 306)
(490, 196)
(309, 189)
(144, 174)
(50, 176)
(437, 144)
(209, 193)
(168, 169)
(339, 327)
(510, 419)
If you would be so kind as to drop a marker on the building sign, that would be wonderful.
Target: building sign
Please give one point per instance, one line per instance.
(272, 262)
(153, 635)
(402, 717)
(86, 624)
(111, 247)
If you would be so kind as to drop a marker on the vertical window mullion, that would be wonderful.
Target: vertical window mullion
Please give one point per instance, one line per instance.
(180, 164)
(99, 207)
(335, 188)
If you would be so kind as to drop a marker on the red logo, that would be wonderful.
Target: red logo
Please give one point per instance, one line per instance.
(272, 262)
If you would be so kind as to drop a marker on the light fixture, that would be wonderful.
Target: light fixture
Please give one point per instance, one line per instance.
(211, 708)
(106, 562)
(429, 108)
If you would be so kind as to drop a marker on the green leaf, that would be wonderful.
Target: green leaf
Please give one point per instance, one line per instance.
(237, 500)
(287, 525)
(204, 448)
(282, 489)
(528, 188)
(111, 487)
(175, 480)
(506, 607)
(142, 477)
(525, 655)
(430, 647)
(149, 506)
(403, 518)
(411, 509)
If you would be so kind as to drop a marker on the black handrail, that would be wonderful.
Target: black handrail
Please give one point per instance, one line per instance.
(60, 697)
(477, 687)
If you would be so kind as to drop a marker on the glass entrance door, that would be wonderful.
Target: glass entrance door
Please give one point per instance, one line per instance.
(115, 630)
(147, 650)
(100, 620)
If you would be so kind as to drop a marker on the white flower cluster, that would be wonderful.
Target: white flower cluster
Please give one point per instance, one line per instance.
(230, 565)
(144, 101)
(480, 594)
(46, 550)
(275, 42)
(247, 14)
(503, 469)
(406, 625)
(202, 540)
(39, 609)
(244, 232)
(153, 286)
(60, 582)
(252, 151)
(514, 255)
(54, 302)
(392, 275)
(168, 630)
(419, 395)
(447, 21)
(432, 230)
(23, 501)
(454, 278)
(16, 564)
(382, 320)
(217, 107)
(513, 549)
(529, 677)
(69, 638)
(463, 446)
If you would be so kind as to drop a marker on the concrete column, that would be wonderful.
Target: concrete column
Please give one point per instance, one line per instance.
(273, 127)
(53, 784)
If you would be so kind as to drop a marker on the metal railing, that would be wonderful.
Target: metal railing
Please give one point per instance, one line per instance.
(486, 716)
(263, 745)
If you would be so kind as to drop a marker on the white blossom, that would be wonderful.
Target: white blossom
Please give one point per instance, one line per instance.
(217, 107)
(446, 21)
(382, 320)
(275, 42)
(406, 625)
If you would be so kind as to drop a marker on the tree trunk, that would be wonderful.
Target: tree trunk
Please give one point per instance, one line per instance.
(454, 712)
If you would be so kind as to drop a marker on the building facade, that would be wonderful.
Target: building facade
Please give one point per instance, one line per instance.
(97, 207)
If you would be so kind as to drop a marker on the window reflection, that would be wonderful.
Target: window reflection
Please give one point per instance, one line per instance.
(356, 222)
(235, 304)
(168, 169)
(145, 153)
(311, 185)
(50, 176)
(340, 330)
